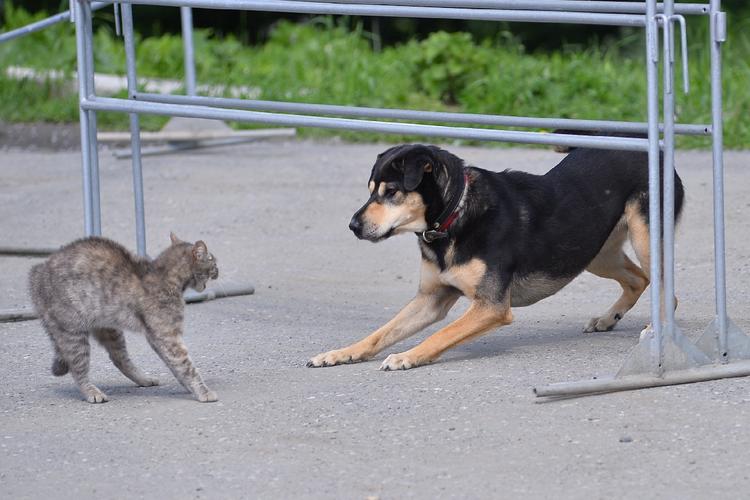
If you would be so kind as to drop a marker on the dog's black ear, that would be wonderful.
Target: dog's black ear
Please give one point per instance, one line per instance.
(413, 173)
(416, 164)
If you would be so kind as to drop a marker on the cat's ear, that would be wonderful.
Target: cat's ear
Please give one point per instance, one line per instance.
(175, 240)
(200, 252)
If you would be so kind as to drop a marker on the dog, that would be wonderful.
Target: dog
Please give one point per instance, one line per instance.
(502, 239)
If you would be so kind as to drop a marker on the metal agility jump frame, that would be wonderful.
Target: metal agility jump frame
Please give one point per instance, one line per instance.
(664, 355)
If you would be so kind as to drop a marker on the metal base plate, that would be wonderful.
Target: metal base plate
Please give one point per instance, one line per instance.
(679, 353)
(738, 344)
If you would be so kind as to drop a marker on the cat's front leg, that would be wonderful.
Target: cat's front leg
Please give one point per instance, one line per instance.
(171, 349)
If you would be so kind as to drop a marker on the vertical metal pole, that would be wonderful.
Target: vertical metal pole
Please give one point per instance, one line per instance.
(186, 14)
(83, 69)
(717, 34)
(135, 129)
(93, 143)
(652, 72)
(668, 172)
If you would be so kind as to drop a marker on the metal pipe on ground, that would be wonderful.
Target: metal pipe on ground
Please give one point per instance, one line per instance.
(27, 251)
(191, 297)
(220, 292)
(675, 377)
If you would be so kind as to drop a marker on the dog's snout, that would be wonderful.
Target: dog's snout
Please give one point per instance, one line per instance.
(355, 225)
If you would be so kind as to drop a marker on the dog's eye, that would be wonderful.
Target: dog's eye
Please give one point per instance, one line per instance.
(389, 192)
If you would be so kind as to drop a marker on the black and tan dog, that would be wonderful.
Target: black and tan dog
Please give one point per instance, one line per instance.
(503, 240)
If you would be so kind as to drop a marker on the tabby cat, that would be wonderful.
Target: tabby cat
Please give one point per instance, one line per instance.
(95, 287)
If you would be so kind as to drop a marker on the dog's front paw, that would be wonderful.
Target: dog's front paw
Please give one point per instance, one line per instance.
(401, 361)
(332, 358)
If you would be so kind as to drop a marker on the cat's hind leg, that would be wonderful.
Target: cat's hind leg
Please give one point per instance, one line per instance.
(59, 366)
(75, 352)
(114, 342)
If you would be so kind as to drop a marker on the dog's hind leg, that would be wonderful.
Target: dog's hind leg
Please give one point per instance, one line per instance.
(613, 263)
(638, 232)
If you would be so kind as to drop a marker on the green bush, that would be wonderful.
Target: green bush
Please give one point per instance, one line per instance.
(328, 62)
(444, 64)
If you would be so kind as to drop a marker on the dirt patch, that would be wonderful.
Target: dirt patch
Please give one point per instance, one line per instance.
(40, 136)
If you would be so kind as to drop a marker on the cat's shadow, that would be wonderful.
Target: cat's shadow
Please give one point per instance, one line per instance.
(118, 391)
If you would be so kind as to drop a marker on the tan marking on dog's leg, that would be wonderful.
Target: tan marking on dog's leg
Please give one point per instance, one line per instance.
(639, 236)
(432, 303)
(477, 320)
(638, 232)
(612, 262)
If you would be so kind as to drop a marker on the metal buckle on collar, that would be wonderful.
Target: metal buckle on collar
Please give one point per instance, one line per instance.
(431, 235)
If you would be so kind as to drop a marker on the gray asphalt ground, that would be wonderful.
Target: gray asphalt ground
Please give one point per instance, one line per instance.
(275, 214)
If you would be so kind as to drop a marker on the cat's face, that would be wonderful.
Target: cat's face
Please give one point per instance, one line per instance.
(204, 267)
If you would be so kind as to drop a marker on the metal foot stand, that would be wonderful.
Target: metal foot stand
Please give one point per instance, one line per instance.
(737, 343)
(668, 358)
(647, 365)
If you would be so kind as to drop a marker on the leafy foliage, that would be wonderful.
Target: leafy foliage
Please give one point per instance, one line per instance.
(329, 62)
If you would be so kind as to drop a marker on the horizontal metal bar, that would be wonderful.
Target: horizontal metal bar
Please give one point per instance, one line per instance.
(305, 7)
(44, 23)
(130, 106)
(559, 5)
(700, 374)
(429, 116)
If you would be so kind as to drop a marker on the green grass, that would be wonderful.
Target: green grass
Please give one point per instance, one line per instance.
(323, 62)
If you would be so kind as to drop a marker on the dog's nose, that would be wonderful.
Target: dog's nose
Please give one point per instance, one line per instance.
(355, 225)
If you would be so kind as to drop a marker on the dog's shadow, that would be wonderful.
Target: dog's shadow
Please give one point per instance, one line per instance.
(497, 344)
